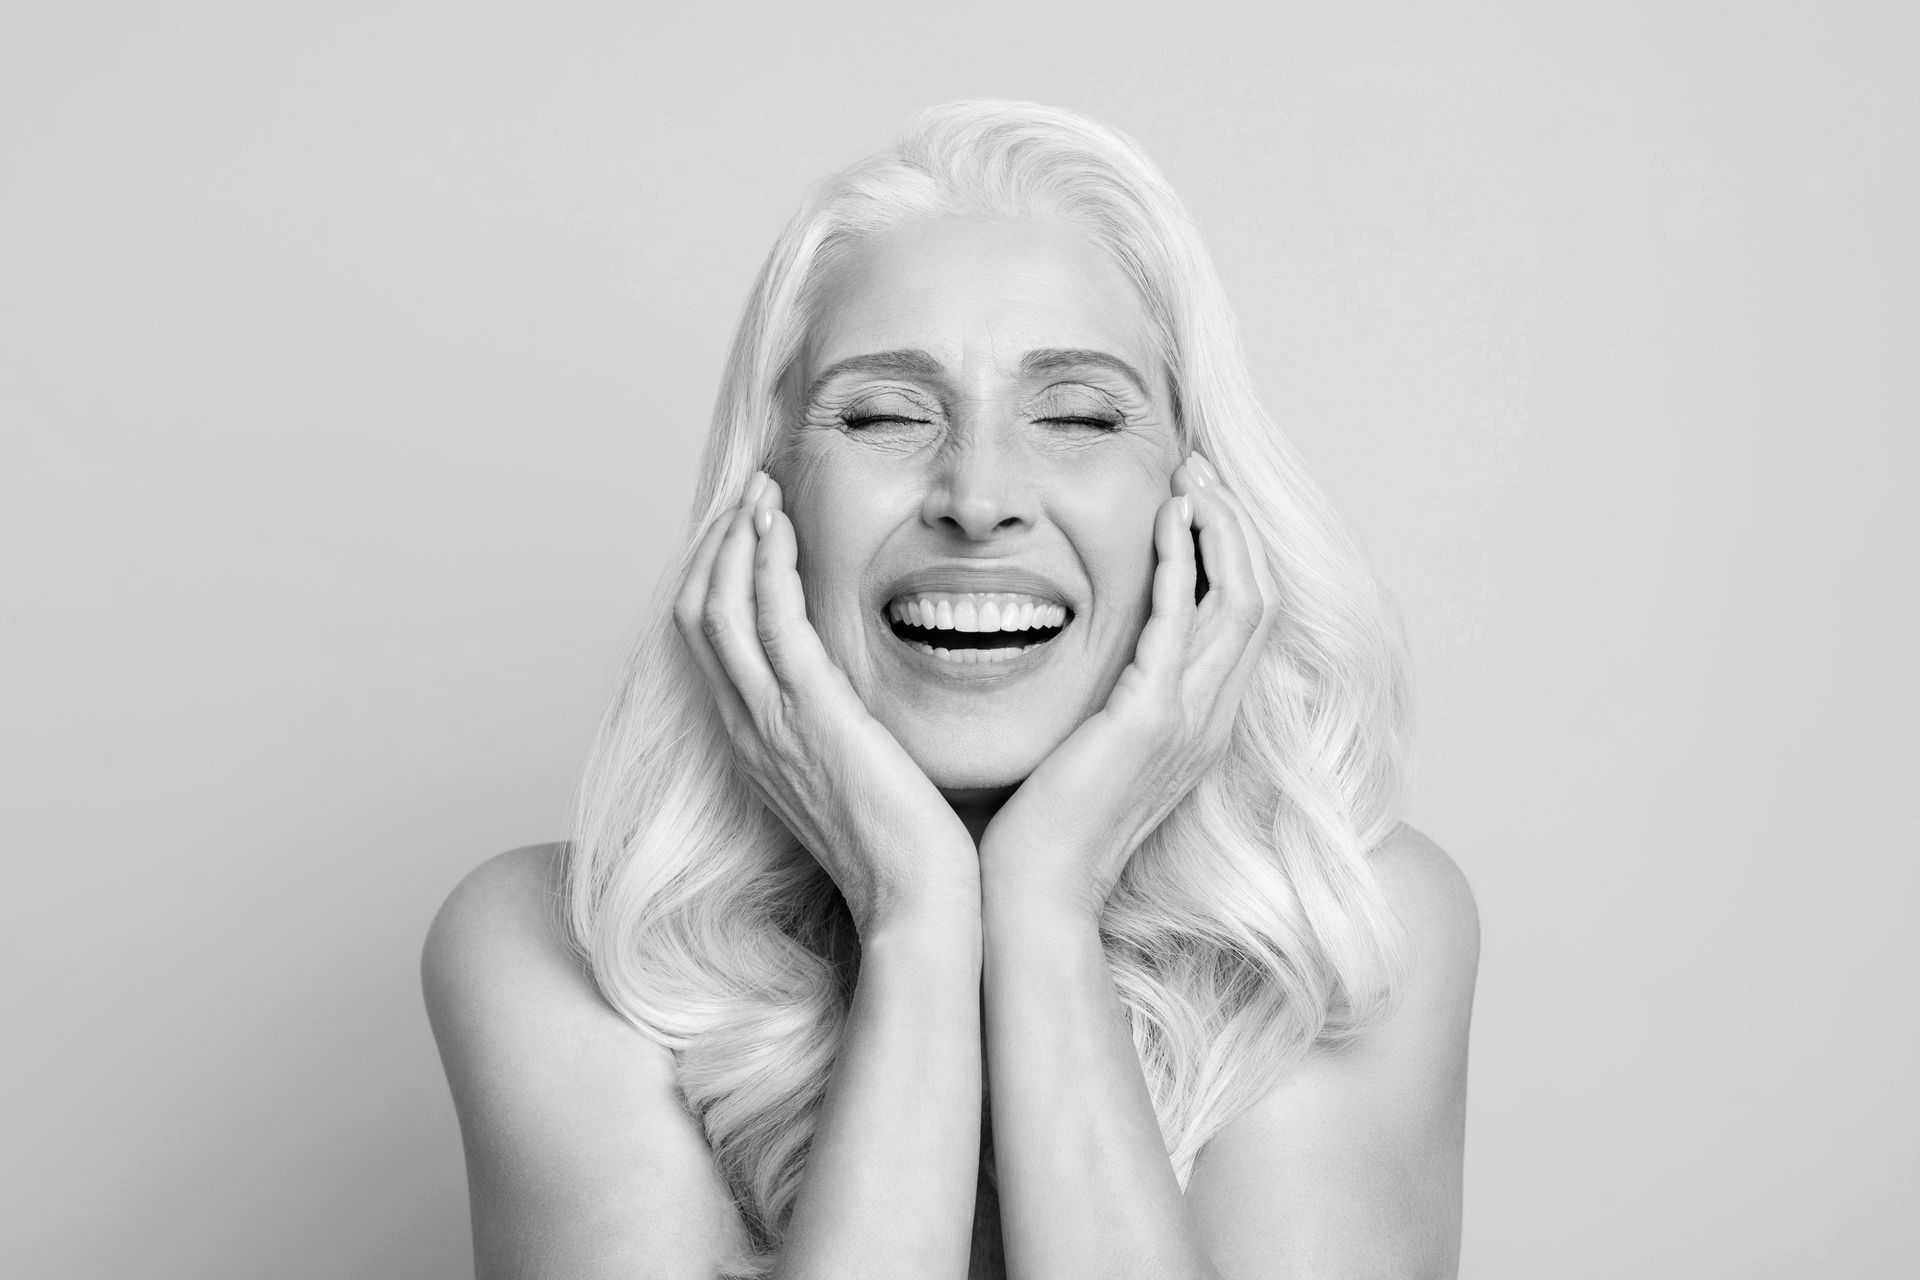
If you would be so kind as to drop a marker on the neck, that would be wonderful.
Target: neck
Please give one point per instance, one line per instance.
(977, 805)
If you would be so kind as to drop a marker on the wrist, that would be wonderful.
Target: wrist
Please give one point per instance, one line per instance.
(1041, 944)
(930, 942)
(937, 913)
(1031, 900)
(1055, 883)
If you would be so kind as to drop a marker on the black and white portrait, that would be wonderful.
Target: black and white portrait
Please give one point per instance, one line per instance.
(991, 642)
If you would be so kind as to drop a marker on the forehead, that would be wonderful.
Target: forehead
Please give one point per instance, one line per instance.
(979, 292)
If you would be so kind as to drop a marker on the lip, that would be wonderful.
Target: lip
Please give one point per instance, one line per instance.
(961, 578)
(1001, 672)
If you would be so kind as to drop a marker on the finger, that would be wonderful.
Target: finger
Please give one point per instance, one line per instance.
(727, 614)
(789, 640)
(1161, 651)
(1268, 590)
(693, 589)
(688, 609)
(1256, 551)
(1192, 475)
(1231, 617)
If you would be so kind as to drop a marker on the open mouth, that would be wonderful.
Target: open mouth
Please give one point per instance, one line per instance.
(976, 627)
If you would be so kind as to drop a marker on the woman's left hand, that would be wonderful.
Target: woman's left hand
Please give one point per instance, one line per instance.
(1068, 831)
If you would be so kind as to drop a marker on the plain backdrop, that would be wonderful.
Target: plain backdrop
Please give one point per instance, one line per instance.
(354, 359)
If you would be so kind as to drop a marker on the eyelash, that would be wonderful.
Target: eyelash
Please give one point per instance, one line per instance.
(856, 422)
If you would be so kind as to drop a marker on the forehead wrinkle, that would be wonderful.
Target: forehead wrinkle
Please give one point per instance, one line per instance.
(909, 362)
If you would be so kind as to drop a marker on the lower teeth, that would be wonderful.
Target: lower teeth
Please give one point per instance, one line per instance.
(972, 655)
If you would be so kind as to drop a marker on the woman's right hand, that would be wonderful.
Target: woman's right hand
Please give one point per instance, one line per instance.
(804, 739)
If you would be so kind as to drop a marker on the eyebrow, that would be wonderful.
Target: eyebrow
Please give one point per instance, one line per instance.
(910, 361)
(914, 362)
(1063, 359)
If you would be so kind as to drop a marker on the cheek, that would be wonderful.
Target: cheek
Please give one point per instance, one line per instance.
(827, 491)
(829, 559)
(839, 532)
(1124, 571)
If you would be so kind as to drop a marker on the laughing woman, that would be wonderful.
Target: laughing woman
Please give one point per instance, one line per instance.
(991, 864)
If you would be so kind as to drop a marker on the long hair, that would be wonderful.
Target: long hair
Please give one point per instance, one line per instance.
(1248, 929)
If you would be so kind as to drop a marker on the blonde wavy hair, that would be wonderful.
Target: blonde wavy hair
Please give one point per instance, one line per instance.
(1247, 930)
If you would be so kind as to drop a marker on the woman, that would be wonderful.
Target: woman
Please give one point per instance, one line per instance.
(990, 865)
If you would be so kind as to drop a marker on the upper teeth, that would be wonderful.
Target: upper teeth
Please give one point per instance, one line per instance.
(997, 611)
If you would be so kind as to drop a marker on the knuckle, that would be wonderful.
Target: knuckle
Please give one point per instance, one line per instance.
(793, 705)
(769, 632)
(767, 731)
(715, 626)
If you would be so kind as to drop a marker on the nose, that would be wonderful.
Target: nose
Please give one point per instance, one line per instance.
(979, 487)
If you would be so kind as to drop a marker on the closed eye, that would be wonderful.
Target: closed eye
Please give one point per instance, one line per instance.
(1098, 424)
(881, 420)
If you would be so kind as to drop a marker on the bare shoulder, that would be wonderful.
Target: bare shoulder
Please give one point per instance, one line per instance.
(498, 971)
(501, 926)
(580, 1158)
(1431, 896)
(514, 890)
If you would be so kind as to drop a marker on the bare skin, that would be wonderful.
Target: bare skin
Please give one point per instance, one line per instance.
(975, 821)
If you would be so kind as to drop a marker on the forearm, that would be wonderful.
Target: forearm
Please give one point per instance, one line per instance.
(1086, 1188)
(890, 1177)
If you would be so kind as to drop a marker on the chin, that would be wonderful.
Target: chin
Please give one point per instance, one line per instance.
(992, 761)
(955, 782)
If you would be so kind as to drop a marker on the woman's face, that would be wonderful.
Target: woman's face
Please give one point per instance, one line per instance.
(980, 433)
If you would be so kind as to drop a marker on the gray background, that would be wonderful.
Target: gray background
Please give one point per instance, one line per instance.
(353, 361)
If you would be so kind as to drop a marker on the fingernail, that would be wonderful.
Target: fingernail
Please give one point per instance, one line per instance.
(1198, 471)
(763, 520)
(756, 486)
(1186, 510)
